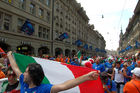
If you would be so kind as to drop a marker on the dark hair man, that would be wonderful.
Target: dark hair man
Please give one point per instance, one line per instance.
(108, 84)
(31, 79)
(118, 77)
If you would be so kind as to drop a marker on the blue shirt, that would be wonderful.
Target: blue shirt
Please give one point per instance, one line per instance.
(133, 65)
(128, 74)
(108, 65)
(111, 88)
(129, 69)
(100, 67)
(73, 63)
(43, 88)
(121, 66)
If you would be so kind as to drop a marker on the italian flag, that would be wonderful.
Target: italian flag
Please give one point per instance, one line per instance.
(56, 73)
(1, 51)
(79, 56)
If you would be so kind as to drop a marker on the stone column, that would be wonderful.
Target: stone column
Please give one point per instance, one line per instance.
(36, 51)
(36, 10)
(14, 23)
(27, 5)
(36, 29)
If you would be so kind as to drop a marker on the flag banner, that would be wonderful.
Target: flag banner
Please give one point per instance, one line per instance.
(10, 1)
(128, 47)
(79, 56)
(57, 73)
(137, 44)
(90, 47)
(78, 42)
(123, 50)
(1, 51)
(86, 46)
(103, 51)
(63, 36)
(27, 28)
(97, 49)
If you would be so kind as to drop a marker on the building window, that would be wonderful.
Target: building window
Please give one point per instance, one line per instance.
(48, 17)
(57, 7)
(7, 21)
(40, 13)
(42, 1)
(1, 19)
(57, 24)
(8, 1)
(19, 25)
(56, 34)
(32, 8)
(61, 26)
(43, 32)
(48, 2)
(22, 4)
(40, 31)
(47, 34)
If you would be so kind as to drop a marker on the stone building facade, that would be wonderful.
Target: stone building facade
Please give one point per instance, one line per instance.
(50, 19)
(130, 40)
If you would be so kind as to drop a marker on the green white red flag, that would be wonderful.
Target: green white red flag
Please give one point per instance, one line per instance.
(56, 73)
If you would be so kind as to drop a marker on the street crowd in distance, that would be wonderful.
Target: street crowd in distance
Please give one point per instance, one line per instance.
(119, 74)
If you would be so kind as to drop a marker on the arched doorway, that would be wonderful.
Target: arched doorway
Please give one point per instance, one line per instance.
(43, 50)
(25, 49)
(73, 53)
(5, 46)
(67, 52)
(58, 51)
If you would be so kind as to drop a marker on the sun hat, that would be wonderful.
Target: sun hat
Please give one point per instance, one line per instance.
(136, 71)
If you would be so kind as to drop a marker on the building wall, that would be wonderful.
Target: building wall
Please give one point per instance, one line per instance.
(69, 17)
(132, 33)
(72, 19)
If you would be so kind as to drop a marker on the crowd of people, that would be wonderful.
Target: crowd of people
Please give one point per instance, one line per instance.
(119, 74)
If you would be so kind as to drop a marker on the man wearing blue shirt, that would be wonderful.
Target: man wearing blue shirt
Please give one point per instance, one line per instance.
(108, 84)
(31, 79)
(98, 66)
(108, 64)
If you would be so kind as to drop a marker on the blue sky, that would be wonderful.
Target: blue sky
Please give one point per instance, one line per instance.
(116, 14)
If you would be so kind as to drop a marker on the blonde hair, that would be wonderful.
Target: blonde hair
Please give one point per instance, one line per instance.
(125, 64)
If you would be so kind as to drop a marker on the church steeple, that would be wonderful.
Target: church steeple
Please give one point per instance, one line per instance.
(121, 34)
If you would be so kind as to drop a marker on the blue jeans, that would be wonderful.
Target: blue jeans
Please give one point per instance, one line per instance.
(120, 87)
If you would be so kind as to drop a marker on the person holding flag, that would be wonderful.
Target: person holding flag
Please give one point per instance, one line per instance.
(31, 79)
(79, 57)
